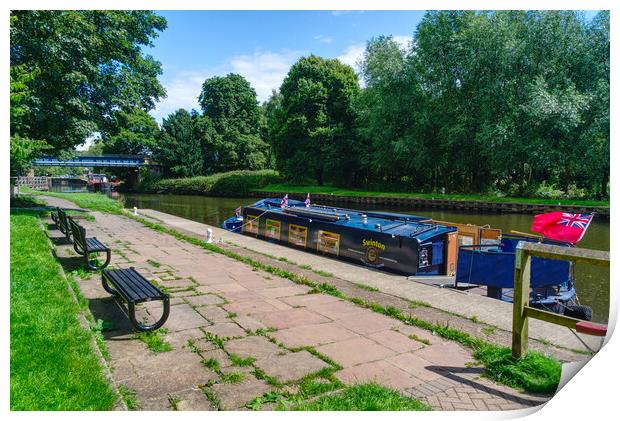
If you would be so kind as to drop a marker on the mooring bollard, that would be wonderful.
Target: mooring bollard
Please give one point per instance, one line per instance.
(209, 235)
(135, 211)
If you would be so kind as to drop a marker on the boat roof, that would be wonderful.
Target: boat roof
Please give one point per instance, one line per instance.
(418, 227)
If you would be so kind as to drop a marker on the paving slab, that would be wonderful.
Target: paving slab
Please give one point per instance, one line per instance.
(204, 300)
(236, 395)
(285, 319)
(225, 330)
(193, 400)
(368, 323)
(249, 323)
(214, 314)
(312, 335)
(355, 351)
(183, 317)
(291, 366)
(380, 372)
(395, 341)
(258, 347)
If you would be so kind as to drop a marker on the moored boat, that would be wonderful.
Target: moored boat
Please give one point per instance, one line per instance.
(399, 243)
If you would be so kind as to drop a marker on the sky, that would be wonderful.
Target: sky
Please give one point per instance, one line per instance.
(261, 46)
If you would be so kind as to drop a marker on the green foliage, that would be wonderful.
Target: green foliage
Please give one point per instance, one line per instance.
(22, 152)
(132, 132)
(230, 103)
(183, 143)
(233, 183)
(364, 397)
(312, 121)
(155, 340)
(241, 362)
(91, 67)
(489, 100)
(49, 351)
(534, 372)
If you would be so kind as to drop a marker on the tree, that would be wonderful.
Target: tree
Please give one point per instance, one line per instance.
(179, 148)
(91, 67)
(134, 133)
(314, 134)
(230, 105)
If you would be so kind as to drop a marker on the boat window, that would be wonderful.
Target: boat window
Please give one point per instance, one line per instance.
(297, 235)
(328, 242)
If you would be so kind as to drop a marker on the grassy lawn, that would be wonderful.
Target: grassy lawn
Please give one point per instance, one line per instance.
(53, 366)
(364, 397)
(288, 188)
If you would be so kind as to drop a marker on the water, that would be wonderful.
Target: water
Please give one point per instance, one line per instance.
(592, 282)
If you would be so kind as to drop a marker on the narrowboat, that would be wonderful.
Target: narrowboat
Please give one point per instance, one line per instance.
(398, 243)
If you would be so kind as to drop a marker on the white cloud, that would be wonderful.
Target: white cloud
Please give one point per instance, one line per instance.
(352, 55)
(265, 70)
(324, 39)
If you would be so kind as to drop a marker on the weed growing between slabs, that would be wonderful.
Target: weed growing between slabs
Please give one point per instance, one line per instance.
(364, 397)
(53, 366)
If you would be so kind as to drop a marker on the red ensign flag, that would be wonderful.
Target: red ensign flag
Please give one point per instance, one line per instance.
(569, 227)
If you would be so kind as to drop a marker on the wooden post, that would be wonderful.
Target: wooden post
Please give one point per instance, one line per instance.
(521, 300)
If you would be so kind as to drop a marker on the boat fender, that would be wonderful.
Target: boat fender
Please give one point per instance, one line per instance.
(578, 312)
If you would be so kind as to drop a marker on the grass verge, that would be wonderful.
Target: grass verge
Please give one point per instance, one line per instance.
(364, 397)
(53, 366)
(93, 201)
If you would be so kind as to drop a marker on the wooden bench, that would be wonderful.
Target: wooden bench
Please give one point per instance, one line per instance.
(134, 288)
(84, 245)
(62, 222)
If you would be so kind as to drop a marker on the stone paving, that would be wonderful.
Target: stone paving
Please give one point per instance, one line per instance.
(224, 311)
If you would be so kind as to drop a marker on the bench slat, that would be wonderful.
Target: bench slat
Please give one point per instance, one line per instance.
(148, 288)
(129, 291)
(133, 286)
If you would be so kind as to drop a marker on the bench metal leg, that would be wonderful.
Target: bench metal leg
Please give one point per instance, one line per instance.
(104, 283)
(78, 251)
(156, 325)
(95, 268)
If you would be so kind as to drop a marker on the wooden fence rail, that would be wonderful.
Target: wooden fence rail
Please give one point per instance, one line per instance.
(522, 311)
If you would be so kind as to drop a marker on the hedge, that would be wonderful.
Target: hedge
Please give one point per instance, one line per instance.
(232, 183)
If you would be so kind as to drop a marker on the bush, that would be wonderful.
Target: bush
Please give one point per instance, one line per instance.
(549, 191)
(232, 183)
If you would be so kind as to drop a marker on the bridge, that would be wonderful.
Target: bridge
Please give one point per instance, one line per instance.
(95, 161)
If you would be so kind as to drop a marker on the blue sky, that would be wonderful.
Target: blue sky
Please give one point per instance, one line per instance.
(261, 45)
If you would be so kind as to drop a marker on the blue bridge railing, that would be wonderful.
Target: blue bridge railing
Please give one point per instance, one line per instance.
(93, 161)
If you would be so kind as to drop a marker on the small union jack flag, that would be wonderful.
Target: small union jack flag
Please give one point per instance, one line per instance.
(238, 211)
(576, 220)
(284, 201)
(307, 202)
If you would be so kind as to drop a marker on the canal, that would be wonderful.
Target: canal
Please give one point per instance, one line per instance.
(592, 283)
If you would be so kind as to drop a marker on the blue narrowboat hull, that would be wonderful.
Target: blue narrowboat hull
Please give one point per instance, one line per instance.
(392, 242)
(492, 265)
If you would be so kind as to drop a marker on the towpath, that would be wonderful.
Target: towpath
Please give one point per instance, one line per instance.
(282, 330)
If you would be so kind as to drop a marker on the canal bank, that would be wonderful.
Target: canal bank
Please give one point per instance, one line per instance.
(468, 306)
(441, 203)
